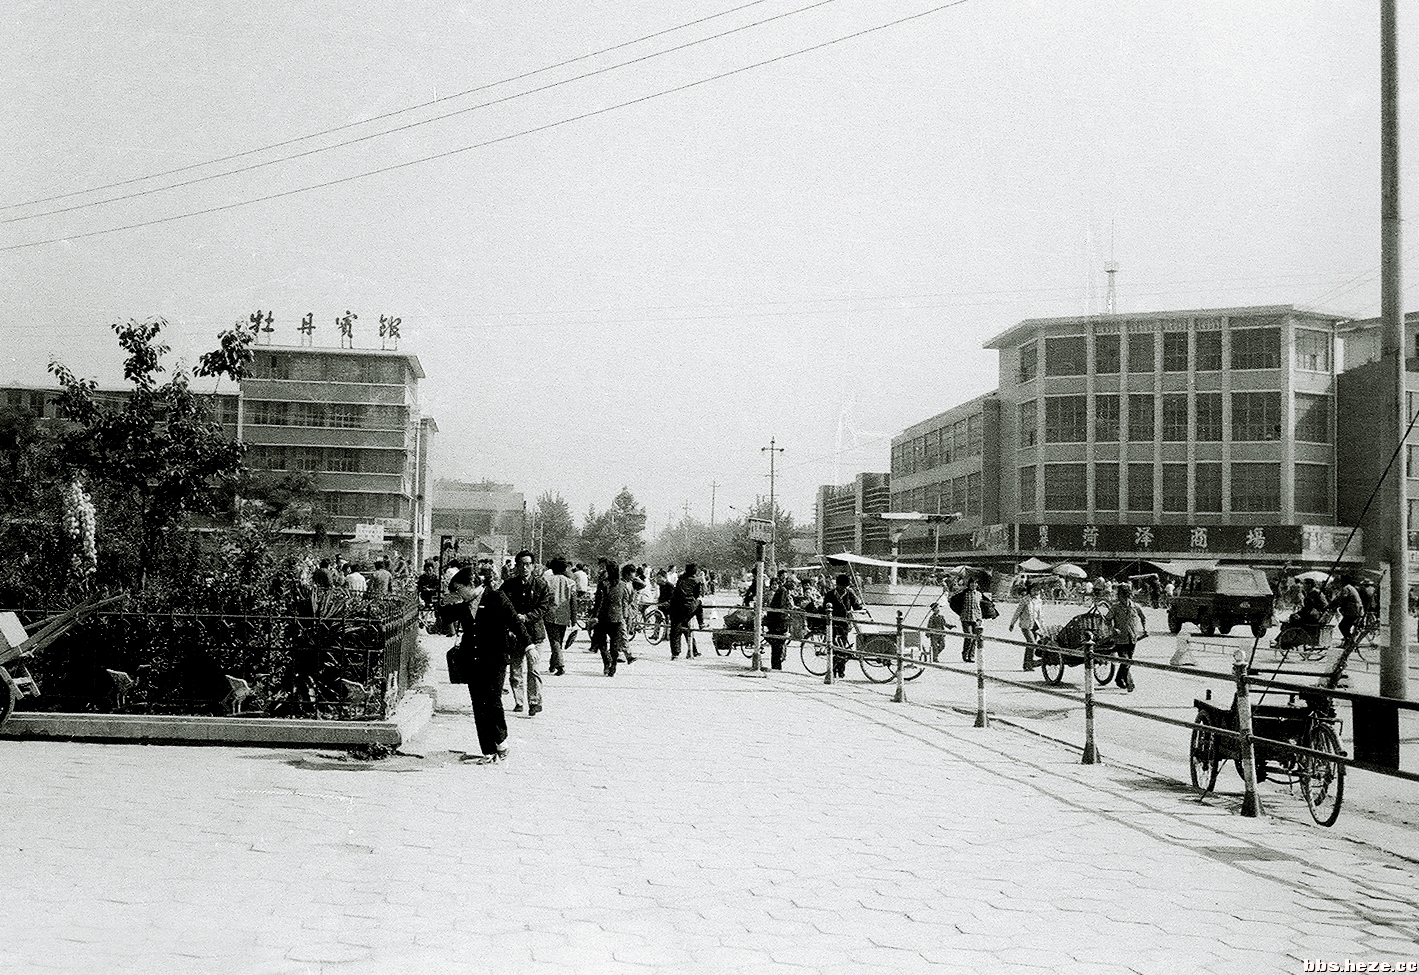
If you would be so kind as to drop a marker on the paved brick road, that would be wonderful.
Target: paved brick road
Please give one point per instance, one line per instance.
(677, 818)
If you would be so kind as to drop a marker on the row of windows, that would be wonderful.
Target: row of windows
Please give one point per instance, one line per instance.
(955, 441)
(339, 460)
(46, 404)
(350, 504)
(1255, 417)
(328, 368)
(1251, 348)
(964, 494)
(1255, 487)
(353, 416)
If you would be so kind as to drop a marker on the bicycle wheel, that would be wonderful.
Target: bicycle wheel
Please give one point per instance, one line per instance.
(1202, 756)
(878, 659)
(657, 627)
(1322, 779)
(814, 657)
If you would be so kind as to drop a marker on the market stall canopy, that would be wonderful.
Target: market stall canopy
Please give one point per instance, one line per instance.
(851, 559)
(1180, 567)
(1315, 575)
(1069, 570)
(1034, 565)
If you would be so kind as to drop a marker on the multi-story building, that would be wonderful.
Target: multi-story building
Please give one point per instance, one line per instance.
(483, 517)
(843, 515)
(1153, 436)
(351, 418)
(949, 465)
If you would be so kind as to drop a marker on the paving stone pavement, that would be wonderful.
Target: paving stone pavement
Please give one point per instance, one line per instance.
(680, 817)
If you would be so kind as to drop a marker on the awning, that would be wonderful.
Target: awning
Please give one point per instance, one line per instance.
(851, 559)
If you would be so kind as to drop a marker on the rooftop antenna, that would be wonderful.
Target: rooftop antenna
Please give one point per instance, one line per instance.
(1111, 268)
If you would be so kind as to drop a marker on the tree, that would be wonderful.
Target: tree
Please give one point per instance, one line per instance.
(615, 533)
(555, 527)
(159, 455)
(742, 550)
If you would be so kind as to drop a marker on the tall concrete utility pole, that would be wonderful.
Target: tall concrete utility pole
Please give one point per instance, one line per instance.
(1394, 658)
(773, 536)
(714, 485)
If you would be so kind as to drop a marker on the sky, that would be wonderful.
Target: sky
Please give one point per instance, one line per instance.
(634, 253)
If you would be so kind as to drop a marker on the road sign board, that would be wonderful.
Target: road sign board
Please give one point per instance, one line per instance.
(373, 534)
(760, 530)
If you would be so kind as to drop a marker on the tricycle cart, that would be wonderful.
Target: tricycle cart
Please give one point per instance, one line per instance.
(1064, 647)
(1311, 724)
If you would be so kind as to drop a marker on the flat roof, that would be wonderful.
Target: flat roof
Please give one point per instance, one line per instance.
(408, 357)
(1015, 332)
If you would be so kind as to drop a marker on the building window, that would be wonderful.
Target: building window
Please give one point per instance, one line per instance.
(307, 414)
(1411, 461)
(1140, 487)
(1175, 417)
(1256, 416)
(1175, 352)
(1208, 346)
(1207, 487)
(932, 456)
(1209, 418)
(1029, 361)
(304, 459)
(1140, 352)
(1140, 417)
(960, 438)
(1175, 487)
(1256, 348)
(897, 468)
(1256, 487)
(1065, 356)
(1106, 354)
(347, 416)
(343, 460)
(1313, 350)
(1106, 487)
(1312, 418)
(1027, 489)
(1106, 424)
(975, 496)
(1313, 489)
(1064, 487)
(1029, 433)
(975, 439)
(959, 501)
(1066, 419)
(274, 366)
(267, 413)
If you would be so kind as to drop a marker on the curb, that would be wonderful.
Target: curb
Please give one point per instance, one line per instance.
(410, 717)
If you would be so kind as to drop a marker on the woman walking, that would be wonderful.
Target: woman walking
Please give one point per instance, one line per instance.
(490, 630)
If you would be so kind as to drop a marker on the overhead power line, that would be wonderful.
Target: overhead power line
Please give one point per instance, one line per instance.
(410, 125)
(157, 221)
(379, 118)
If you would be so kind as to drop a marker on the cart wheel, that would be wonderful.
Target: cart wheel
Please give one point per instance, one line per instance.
(723, 648)
(1052, 667)
(1258, 629)
(1224, 628)
(1174, 622)
(656, 626)
(814, 657)
(1104, 670)
(1203, 761)
(1322, 780)
(878, 659)
(1206, 627)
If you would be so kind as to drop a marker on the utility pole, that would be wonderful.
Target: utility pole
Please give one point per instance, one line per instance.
(1394, 657)
(713, 486)
(773, 519)
(687, 531)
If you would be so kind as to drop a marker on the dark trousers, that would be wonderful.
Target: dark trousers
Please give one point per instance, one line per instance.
(486, 693)
(612, 640)
(777, 641)
(1122, 678)
(556, 632)
(677, 627)
(971, 641)
(839, 640)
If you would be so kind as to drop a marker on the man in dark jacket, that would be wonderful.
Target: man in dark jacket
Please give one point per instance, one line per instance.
(490, 628)
(531, 597)
(685, 605)
(776, 620)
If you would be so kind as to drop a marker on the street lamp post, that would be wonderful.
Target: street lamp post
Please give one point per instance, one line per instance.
(898, 522)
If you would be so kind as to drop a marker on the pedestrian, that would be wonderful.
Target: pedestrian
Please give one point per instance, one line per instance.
(936, 624)
(615, 610)
(840, 603)
(355, 580)
(380, 579)
(428, 584)
(597, 629)
(320, 576)
(971, 619)
(1129, 627)
(1351, 607)
(563, 613)
(1029, 614)
(532, 600)
(490, 628)
(685, 605)
(776, 619)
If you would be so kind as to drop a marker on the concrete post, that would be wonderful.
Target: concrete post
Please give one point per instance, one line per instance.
(901, 696)
(1251, 802)
(1091, 751)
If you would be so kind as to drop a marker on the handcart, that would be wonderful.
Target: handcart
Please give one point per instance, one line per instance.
(16, 647)
(1064, 647)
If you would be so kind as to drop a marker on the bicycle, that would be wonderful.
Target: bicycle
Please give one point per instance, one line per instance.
(1366, 637)
(655, 623)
